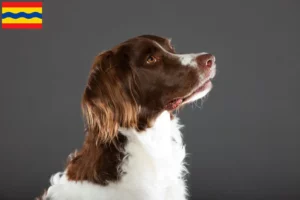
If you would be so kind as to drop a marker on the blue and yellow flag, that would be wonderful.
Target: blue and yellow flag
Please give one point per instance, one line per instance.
(22, 15)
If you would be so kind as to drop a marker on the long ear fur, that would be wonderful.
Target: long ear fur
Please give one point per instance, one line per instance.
(105, 104)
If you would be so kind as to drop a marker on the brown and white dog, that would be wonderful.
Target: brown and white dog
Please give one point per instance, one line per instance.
(133, 148)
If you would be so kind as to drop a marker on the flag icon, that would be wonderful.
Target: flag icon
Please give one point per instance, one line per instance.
(22, 15)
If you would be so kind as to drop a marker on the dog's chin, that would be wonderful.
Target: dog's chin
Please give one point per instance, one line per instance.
(197, 93)
(202, 90)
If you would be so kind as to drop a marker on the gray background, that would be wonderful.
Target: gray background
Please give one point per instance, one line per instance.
(243, 142)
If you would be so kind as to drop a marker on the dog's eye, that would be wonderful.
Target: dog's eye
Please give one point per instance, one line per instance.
(151, 60)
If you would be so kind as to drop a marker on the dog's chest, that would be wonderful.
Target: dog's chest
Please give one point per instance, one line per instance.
(155, 157)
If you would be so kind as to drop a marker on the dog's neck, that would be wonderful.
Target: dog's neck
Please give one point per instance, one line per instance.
(154, 139)
(100, 163)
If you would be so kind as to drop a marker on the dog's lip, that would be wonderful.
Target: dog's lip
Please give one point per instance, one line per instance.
(181, 100)
(209, 76)
(204, 84)
(196, 90)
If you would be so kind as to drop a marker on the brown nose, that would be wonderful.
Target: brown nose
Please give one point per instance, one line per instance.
(205, 60)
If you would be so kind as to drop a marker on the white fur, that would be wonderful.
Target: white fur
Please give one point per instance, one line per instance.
(185, 59)
(155, 169)
(189, 59)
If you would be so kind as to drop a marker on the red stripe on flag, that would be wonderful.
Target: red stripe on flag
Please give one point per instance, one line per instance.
(22, 26)
(22, 4)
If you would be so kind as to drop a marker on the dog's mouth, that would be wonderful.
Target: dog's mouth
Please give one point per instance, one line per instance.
(199, 92)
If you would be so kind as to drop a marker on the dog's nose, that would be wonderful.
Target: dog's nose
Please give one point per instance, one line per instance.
(205, 60)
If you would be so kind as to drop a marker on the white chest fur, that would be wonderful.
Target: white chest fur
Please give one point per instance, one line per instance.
(154, 168)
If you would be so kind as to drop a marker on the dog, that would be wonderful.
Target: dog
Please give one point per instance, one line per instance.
(133, 148)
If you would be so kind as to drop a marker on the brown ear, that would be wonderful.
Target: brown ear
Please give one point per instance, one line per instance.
(105, 104)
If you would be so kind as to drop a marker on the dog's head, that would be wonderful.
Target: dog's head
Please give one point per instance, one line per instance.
(135, 81)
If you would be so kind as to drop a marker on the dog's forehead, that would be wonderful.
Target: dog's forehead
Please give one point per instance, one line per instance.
(162, 41)
(141, 43)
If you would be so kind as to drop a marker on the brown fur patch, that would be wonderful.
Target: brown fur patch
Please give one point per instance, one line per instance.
(98, 163)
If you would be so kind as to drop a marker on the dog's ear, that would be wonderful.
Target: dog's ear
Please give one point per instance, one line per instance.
(106, 105)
